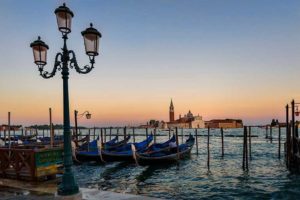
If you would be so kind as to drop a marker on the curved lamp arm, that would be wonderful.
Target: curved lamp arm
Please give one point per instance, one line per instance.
(57, 66)
(85, 69)
(87, 114)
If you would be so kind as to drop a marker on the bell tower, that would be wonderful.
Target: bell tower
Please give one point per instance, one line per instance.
(171, 112)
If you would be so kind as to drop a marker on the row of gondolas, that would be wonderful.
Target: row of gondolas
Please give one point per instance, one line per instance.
(142, 153)
(145, 152)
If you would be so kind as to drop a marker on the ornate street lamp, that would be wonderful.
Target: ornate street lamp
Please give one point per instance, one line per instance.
(63, 61)
(87, 115)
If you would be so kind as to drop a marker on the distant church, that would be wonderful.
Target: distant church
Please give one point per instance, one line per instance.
(187, 121)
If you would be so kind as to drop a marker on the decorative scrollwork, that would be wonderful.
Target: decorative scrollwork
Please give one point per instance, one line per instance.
(57, 66)
(85, 69)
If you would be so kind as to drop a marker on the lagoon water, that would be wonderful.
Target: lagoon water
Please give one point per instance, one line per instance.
(267, 177)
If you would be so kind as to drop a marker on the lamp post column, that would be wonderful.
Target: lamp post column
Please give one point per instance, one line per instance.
(68, 185)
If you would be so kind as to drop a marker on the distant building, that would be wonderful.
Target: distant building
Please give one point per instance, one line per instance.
(187, 121)
(155, 124)
(12, 127)
(224, 123)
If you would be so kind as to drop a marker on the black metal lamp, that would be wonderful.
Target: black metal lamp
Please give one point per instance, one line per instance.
(91, 40)
(64, 61)
(88, 116)
(39, 52)
(64, 18)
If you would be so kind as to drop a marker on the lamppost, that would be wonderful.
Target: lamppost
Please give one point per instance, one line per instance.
(87, 115)
(63, 61)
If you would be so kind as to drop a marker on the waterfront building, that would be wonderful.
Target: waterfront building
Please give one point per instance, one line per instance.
(4, 127)
(187, 121)
(224, 123)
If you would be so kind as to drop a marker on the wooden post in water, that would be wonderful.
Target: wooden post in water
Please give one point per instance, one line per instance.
(118, 132)
(279, 141)
(250, 151)
(51, 128)
(94, 133)
(22, 131)
(222, 136)
(177, 143)
(181, 135)
(133, 134)
(4, 133)
(271, 133)
(266, 131)
(208, 152)
(287, 136)
(125, 132)
(104, 134)
(147, 135)
(101, 135)
(169, 132)
(154, 132)
(244, 152)
(293, 129)
(196, 135)
(246, 138)
(9, 145)
(110, 129)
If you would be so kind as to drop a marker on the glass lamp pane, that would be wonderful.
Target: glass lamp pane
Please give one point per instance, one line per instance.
(91, 43)
(40, 55)
(64, 21)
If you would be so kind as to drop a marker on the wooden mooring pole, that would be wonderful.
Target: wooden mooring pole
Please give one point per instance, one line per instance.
(266, 131)
(125, 132)
(101, 135)
(181, 135)
(243, 165)
(222, 136)
(196, 135)
(133, 134)
(177, 143)
(51, 128)
(279, 141)
(287, 141)
(292, 146)
(147, 135)
(154, 131)
(169, 133)
(104, 134)
(94, 133)
(250, 151)
(245, 150)
(9, 144)
(271, 134)
(208, 152)
(110, 133)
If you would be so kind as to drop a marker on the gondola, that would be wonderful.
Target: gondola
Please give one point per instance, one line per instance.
(112, 144)
(124, 153)
(164, 156)
(90, 151)
(159, 146)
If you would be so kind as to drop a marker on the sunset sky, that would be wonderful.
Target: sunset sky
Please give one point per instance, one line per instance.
(217, 58)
